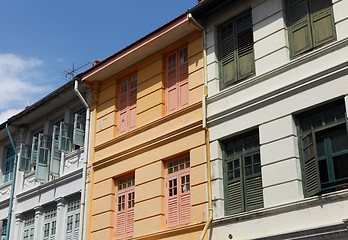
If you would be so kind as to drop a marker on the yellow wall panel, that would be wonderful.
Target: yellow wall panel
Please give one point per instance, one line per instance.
(199, 213)
(197, 155)
(149, 172)
(104, 220)
(149, 225)
(103, 204)
(104, 136)
(151, 70)
(150, 115)
(103, 234)
(106, 121)
(195, 46)
(149, 208)
(149, 190)
(198, 194)
(104, 188)
(107, 94)
(149, 101)
(106, 107)
(198, 174)
(195, 79)
(196, 94)
(150, 85)
(195, 62)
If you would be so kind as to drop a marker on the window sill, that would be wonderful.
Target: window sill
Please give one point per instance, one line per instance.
(5, 185)
(283, 208)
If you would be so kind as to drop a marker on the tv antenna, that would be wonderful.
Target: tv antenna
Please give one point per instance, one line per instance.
(71, 73)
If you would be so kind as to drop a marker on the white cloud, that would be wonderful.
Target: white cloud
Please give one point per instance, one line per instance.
(20, 82)
(7, 114)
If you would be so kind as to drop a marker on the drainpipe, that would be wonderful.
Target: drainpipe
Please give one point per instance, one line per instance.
(85, 160)
(12, 187)
(198, 26)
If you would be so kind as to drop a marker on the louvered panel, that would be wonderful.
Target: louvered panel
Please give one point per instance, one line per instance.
(121, 225)
(56, 153)
(79, 130)
(246, 62)
(183, 72)
(227, 51)
(133, 97)
(323, 26)
(173, 212)
(171, 78)
(297, 11)
(130, 222)
(185, 209)
(253, 193)
(311, 175)
(123, 102)
(76, 234)
(234, 197)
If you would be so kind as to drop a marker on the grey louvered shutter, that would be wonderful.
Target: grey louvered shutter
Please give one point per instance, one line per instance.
(65, 137)
(323, 26)
(253, 182)
(43, 156)
(245, 46)
(311, 178)
(227, 60)
(34, 152)
(299, 31)
(234, 190)
(24, 160)
(55, 152)
(79, 130)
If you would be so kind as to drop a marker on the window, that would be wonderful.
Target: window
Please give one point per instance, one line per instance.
(4, 229)
(49, 224)
(242, 173)
(78, 137)
(323, 147)
(310, 24)
(127, 106)
(236, 49)
(8, 167)
(178, 192)
(125, 198)
(29, 227)
(177, 87)
(73, 219)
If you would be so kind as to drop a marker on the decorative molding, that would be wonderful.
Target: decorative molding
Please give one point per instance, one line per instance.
(42, 188)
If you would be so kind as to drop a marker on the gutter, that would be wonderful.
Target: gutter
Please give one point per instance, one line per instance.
(198, 26)
(85, 160)
(12, 187)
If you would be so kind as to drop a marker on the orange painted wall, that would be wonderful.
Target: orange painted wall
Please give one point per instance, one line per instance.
(144, 150)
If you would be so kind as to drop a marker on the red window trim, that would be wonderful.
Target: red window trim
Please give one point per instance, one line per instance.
(176, 88)
(178, 204)
(126, 112)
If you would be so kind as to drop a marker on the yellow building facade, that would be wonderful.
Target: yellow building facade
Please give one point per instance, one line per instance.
(147, 172)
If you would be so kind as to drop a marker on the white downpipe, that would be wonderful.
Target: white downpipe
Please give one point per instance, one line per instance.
(85, 162)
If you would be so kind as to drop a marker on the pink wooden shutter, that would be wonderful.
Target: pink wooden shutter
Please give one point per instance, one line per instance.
(171, 88)
(172, 203)
(133, 102)
(121, 217)
(122, 125)
(185, 202)
(130, 214)
(183, 78)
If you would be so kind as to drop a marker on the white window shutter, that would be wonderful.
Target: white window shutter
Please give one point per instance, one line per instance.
(24, 160)
(65, 136)
(56, 153)
(79, 130)
(41, 171)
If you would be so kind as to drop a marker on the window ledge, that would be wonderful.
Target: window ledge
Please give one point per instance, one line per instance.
(316, 53)
(293, 206)
(5, 185)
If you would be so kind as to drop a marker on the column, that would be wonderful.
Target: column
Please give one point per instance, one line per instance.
(61, 213)
(38, 222)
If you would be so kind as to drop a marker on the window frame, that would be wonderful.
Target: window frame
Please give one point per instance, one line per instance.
(235, 58)
(125, 187)
(242, 183)
(8, 164)
(310, 159)
(179, 203)
(180, 86)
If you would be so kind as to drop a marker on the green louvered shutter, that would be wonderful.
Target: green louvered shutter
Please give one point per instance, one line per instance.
(79, 130)
(311, 178)
(43, 156)
(298, 21)
(245, 46)
(55, 152)
(253, 182)
(34, 152)
(227, 59)
(24, 160)
(323, 26)
(234, 189)
(65, 137)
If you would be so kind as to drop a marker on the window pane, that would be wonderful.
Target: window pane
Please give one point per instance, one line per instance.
(324, 177)
(341, 166)
(248, 161)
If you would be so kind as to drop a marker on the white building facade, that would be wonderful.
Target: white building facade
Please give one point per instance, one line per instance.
(49, 138)
(277, 74)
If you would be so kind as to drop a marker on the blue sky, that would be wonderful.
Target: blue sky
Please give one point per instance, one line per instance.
(41, 39)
